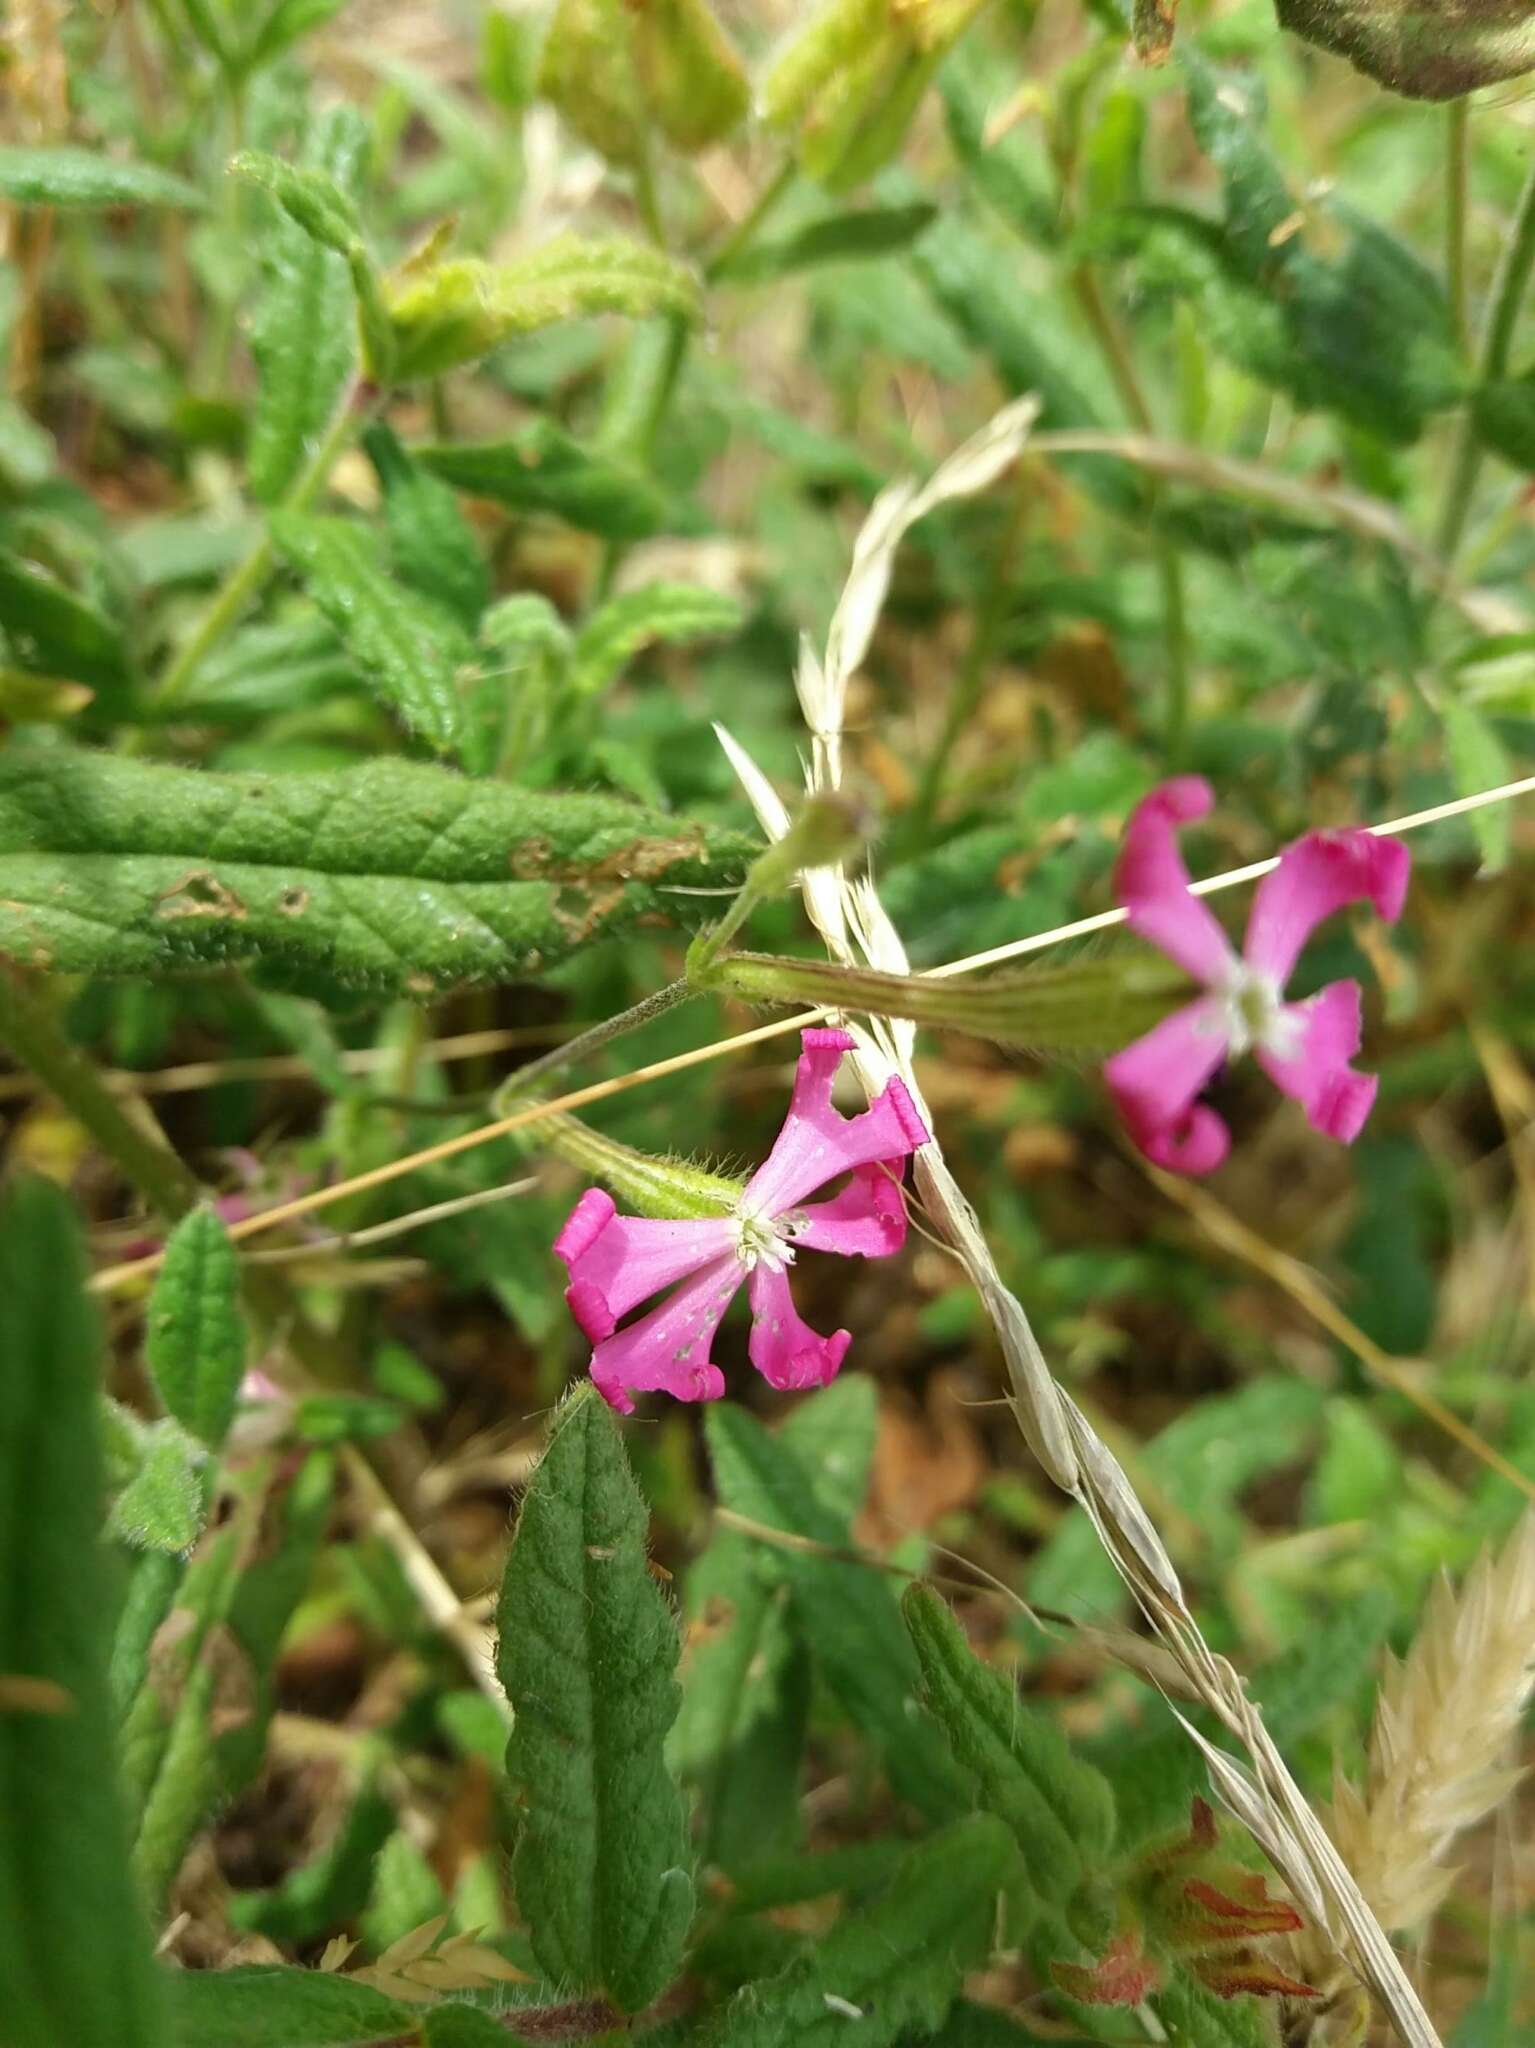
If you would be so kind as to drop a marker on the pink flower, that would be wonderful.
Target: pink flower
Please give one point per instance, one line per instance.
(1304, 1048)
(616, 1261)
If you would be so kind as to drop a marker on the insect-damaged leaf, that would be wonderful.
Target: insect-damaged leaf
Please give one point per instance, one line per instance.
(588, 1646)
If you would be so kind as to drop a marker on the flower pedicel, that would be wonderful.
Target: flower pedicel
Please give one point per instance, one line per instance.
(616, 1262)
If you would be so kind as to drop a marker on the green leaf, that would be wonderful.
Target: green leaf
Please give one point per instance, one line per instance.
(1479, 760)
(275, 2007)
(616, 73)
(847, 1613)
(287, 23)
(384, 876)
(51, 631)
(1060, 1809)
(1504, 414)
(152, 1583)
(542, 469)
(304, 337)
(162, 1506)
(332, 1887)
(318, 204)
(194, 1338)
(832, 1434)
(67, 176)
(466, 2026)
(410, 648)
(429, 538)
(1424, 51)
(74, 1954)
(1012, 173)
(834, 238)
(456, 311)
(1359, 1469)
(898, 1963)
(672, 612)
(587, 1650)
(406, 1894)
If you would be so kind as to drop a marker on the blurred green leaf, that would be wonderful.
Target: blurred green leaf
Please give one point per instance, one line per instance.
(53, 632)
(430, 541)
(266, 2006)
(411, 649)
(153, 1580)
(74, 1952)
(404, 1895)
(675, 613)
(895, 1964)
(64, 175)
(834, 238)
(1359, 1469)
(1504, 414)
(194, 1336)
(1479, 761)
(162, 1505)
(286, 23)
(618, 74)
(318, 1896)
(384, 876)
(587, 1650)
(542, 469)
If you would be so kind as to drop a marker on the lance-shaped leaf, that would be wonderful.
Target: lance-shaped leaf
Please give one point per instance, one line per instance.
(410, 648)
(385, 876)
(543, 469)
(430, 540)
(672, 612)
(74, 1954)
(861, 232)
(893, 1966)
(1060, 1810)
(453, 312)
(304, 337)
(271, 2007)
(587, 1650)
(194, 1336)
(847, 1613)
(1423, 49)
(67, 176)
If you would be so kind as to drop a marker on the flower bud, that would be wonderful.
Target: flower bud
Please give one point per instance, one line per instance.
(672, 1189)
(615, 69)
(1424, 50)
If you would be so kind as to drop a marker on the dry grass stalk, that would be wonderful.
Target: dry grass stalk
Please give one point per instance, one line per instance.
(1444, 1720)
(856, 927)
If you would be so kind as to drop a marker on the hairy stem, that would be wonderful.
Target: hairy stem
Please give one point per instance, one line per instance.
(527, 1079)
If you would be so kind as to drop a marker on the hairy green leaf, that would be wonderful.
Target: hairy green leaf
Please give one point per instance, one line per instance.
(542, 469)
(265, 2006)
(834, 238)
(323, 210)
(587, 1650)
(672, 612)
(194, 1337)
(456, 311)
(1060, 1810)
(384, 876)
(848, 1614)
(161, 1507)
(67, 176)
(411, 648)
(74, 1954)
(152, 1583)
(51, 631)
(895, 1964)
(304, 336)
(430, 541)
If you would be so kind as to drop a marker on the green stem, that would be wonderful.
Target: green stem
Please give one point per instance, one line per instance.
(31, 1029)
(526, 1080)
(746, 228)
(1457, 165)
(248, 577)
(1508, 289)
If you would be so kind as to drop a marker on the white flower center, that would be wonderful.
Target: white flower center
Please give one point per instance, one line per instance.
(765, 1238)
(1254, 1014)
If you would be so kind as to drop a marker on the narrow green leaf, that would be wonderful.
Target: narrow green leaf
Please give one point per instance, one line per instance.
(308, 193)
(161, 1507)
(412, 650)
(587, 1650)
(456, 311)
(287, 23)
(1060, 1810)
(848, 1614)
(1011, 172)
(430, 540)
(1479, 760)
(672, 612)
(194, 1337)
(383, 876)
(152, 1583)
(405, 1894)
(894, 1965)
(332, 1888)
(274, 2007)
(304, 337)
(67, 176)
(835, 238)
(53, 632)
(542, 469)
(74, 1955)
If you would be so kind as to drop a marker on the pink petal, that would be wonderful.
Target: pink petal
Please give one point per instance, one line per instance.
(618, 1261)
(1152, 883)
(1318, 1076)
(668, 1349)
(1155, 1082)
(866, 1219)
(817, 1143)
(785, 1350)
(1315, 877)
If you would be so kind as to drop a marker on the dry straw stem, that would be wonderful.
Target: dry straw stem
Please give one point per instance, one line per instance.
(1444, 1721)
(857, 930)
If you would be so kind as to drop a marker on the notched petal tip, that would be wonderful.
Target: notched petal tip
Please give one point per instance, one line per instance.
(1196, 1146)
(1152, 883)
(589, 1305)
(913, 1129)
(584, 1225)
(826, 1038)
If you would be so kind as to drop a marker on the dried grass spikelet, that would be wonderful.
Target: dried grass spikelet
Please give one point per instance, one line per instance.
(857, 930)
(1443, 1723)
